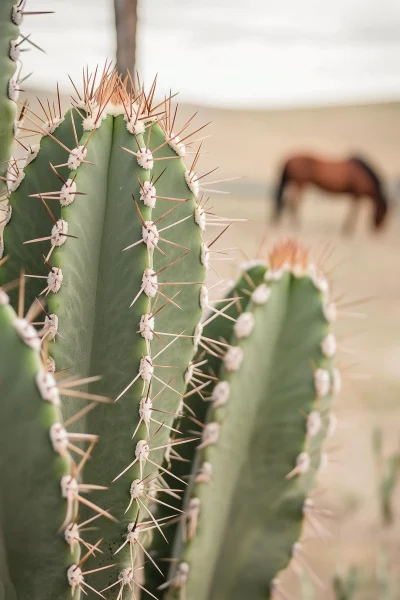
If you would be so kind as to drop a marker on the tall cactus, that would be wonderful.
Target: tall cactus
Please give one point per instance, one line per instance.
(108, 227)
(114, 243)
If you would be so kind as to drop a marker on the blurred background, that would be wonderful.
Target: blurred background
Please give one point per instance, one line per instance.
(277, 78)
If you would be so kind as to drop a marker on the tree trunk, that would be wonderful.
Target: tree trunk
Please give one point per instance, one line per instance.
(126, 22)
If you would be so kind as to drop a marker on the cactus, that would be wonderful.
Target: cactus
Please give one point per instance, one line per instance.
(9, 54)
(346, 588)
(108, 227)
(260, 485)
(388, 471)
(11, 45)
(128, 313)
(36, 468)
(10, 19)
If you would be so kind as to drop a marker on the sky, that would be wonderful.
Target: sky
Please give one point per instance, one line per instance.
(235, 54)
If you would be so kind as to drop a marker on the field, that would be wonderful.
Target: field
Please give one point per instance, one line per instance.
(363, 268)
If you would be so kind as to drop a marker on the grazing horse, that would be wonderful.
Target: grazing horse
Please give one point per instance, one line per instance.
(354, 176)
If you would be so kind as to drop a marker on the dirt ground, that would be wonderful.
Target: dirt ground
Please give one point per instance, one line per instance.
(252, 145)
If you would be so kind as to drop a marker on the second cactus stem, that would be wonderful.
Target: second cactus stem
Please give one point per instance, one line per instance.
(270, 412)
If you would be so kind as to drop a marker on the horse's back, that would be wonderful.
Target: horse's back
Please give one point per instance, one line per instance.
(328, 174)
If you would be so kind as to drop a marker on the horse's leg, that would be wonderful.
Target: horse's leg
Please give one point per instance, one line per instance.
(295, 195)
(351, 218)
(280, 195)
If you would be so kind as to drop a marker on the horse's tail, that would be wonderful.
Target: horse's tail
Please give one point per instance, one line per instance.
(279, 195)
(381, 209)
(382, 204)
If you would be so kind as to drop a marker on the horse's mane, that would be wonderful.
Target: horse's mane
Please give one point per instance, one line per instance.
(370, 170)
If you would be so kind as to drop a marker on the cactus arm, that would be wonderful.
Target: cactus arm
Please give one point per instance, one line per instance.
(249, 501)
(388, 486)
(32, 508)
(9, 31)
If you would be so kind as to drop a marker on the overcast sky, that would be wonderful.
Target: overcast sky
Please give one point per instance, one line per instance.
(239, 53)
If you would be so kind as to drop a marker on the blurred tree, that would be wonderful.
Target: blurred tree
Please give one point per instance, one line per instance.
(126, 22)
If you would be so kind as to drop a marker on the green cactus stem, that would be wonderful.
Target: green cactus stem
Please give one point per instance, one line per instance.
(10, 67)
(34, 461)
(9, 70)
(387, 470)
(262, 440)
(12, 44)
(122, 264)
(346, 588)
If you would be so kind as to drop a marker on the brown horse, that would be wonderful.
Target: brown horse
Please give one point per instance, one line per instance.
(354, 176)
